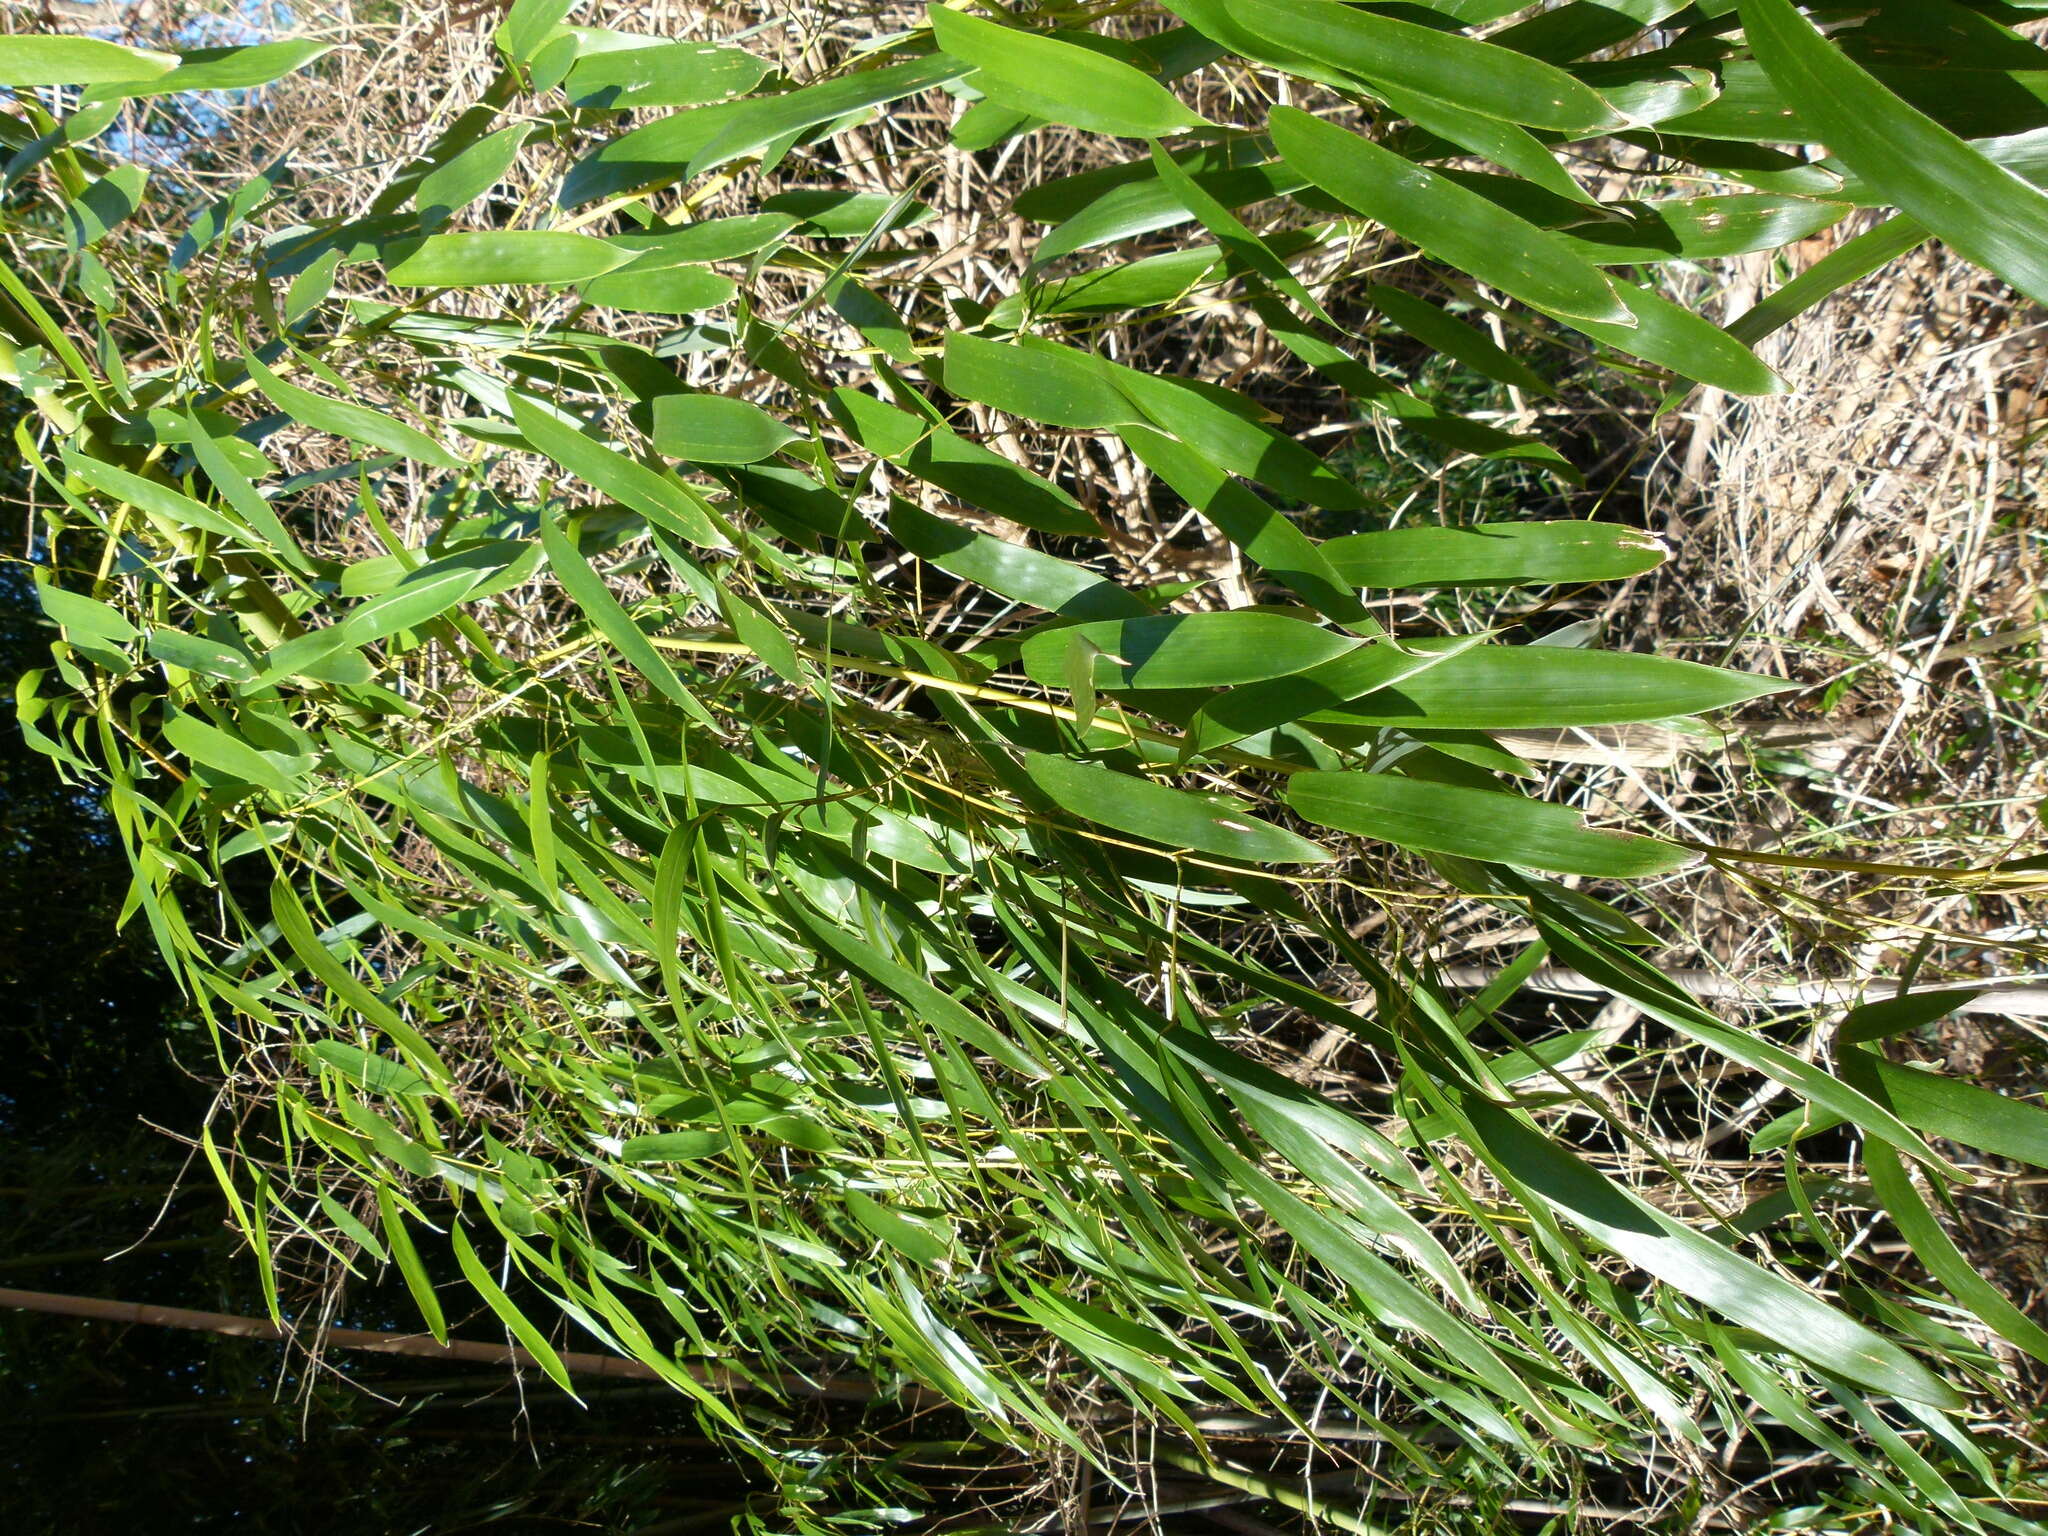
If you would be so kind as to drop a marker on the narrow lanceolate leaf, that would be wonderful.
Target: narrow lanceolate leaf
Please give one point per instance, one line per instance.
(34, 61)
(295, 925)
(152, 496)
(1056, 385)
(1673, 337)
(343, 418)
(483, 258)
(530, 1337)
(1508, 146)
(1451, 223)
(1196, 650)
(667, 75)
(588, 590)
(688, 143)
(407, 1257)
(1060, 82)
(662, 291)
(1266, 536)
(1014, 571)
(211, 747)
(527, 25)
(653, 496)
(716, 429)
(1452, 337)
(1510, 687)
(1787, 1314)
(1494, 554)
(1963, 1112)
(1482, 824)
(1471, 74)
(1241, 712)
(221, 69)
(1986, 212)
(1159, 813)
(454, 186)
(965, 469)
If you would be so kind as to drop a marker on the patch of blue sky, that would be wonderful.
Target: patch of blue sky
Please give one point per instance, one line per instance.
(162, 131)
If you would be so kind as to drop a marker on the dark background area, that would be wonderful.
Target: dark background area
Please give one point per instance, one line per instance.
(114, 1428)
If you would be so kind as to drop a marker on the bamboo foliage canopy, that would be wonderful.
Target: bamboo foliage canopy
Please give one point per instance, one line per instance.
(625, 729)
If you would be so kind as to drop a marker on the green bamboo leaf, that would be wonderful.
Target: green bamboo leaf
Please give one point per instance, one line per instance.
(918, 1240)
(1628, 976)
(726, 239)
(416, 1278)
(484, 258)
(211, 747)
(369, 1071)
(196, 653)
(351, 1227)
(1510, 687)
(82, 616)
(1223, 424)
(1174, 818)
(296, 927)
(766, 120)
(1143, 284)
(831, 213)
(677, 290)
(1060, 82)
(1081, 654)
(535, 1342)
(1496, 827)
(1267, 537)
(975, 474)
(1245, 248)
(30, 61)
(675, 1147)
(152, 496)
(357, 423)
(662, 75)
(528, 26)
(219, 69)
(1932, 1245)
(716, 429)
(932, 1006)
(1847, 263)
(1448, 221)
(1510, 147)
(590, 594)
(1986, 212)
(1195, 650)
(1700, 228)
(104, 205)
(1479, 76)
(1674, 337)
(1053, 384)
(1139, 205)
(1256, 707)
(1494, 554)
(654, 496)
(1787, 1314)
(451, 187)
(1454, 339)
(1021, 574)
(422, 596)
(1957, 1111)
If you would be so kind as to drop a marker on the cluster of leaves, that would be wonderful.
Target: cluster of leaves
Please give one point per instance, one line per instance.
(773, 984)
